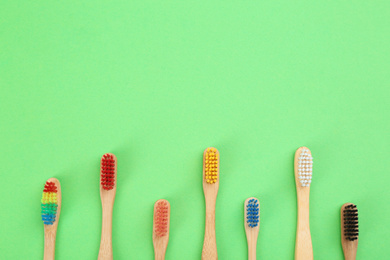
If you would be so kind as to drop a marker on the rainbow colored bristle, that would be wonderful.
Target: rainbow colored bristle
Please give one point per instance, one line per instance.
(161, 218)
(252, 213)
(49, 203)
(211, 165)
(107, 171)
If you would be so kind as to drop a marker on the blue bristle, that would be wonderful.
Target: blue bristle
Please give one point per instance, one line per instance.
(252, 212)
(48, 219)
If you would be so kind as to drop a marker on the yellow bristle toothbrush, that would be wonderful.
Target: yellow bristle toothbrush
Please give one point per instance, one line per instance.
(50, 211)
(303, 168)
(210, 189)
(107, 194)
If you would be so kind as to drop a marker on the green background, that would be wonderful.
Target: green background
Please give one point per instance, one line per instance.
(156, 82)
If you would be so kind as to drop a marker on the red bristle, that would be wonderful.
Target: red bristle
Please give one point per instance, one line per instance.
(50, 187)
(107, 170)
(161, 219)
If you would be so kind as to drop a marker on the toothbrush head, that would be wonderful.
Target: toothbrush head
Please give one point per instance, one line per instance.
(108, 171)
(51, 202)
(252, 212)
(161, 218)
(211, 165)
(350, 222)
(304, 166)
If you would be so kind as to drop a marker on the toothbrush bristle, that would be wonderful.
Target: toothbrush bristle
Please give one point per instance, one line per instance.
(211, 165)
(305, 167)
(252, 213)
(107, 171)
(49, 203)
(161, 218)
(351, 223)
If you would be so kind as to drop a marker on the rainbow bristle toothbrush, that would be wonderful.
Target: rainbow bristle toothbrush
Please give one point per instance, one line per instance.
(252, 225)
(349, 230)
(161, 217)
(107, 195)
(50, 211)
(210, 189)
(303, 168)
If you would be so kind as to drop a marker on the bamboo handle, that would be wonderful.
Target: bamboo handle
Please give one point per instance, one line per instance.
(210, 245)
(159, 256)
(351, 255)
(160, 247)
(350, 249)
(252, 250)
(303, 247)
(105, 252)
(50, 242)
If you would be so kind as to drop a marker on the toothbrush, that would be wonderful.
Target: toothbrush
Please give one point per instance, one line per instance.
(50, 210)
(349, 230)
(303, 166)
(108, 180)
(161, 218)
(210, 189)
(252, 225)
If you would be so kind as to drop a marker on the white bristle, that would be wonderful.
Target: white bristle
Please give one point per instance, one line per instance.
(305, 167)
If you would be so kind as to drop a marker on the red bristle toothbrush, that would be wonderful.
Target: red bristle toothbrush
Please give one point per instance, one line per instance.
(50, 211)
(107, 194)
(161, 217)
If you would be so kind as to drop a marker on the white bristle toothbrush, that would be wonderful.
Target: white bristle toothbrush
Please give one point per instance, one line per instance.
(303, 168)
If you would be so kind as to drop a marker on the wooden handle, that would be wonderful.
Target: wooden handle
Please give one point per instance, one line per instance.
(252, 250)
(50, 242)
(209, 251)
(350, 254)
(159, 255)
(160, 247)
(105, 252)
(303, 246)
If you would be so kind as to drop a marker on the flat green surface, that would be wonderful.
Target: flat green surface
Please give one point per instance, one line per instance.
(156, 82)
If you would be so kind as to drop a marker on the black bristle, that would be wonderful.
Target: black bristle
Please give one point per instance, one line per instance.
(351, 223)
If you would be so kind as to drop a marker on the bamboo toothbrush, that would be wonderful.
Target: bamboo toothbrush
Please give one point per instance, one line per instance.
(252, 225)
(161, 217)
(349, 230)
(210, 189)
(108, 180)
(50, 210)
(303, 165)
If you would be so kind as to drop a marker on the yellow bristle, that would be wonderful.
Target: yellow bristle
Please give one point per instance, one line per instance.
(49, 197)
(211, 158)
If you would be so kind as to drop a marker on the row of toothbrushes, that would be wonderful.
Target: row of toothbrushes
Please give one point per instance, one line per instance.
(303, 164)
